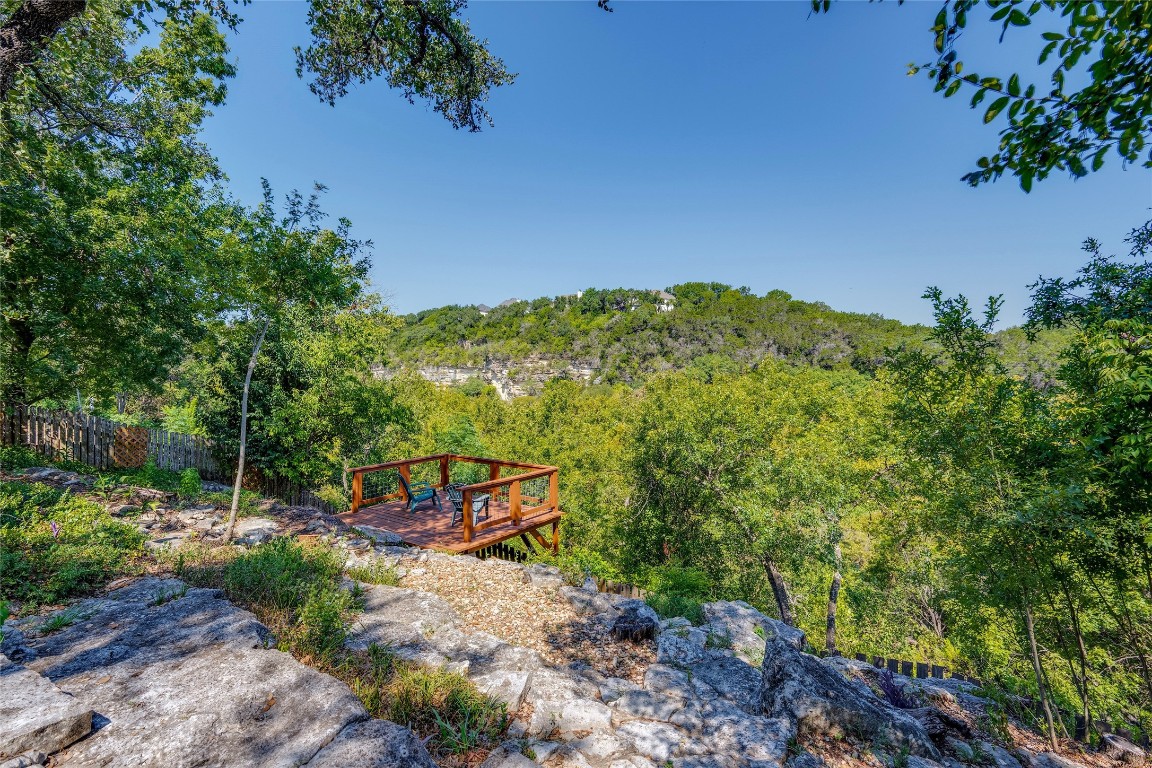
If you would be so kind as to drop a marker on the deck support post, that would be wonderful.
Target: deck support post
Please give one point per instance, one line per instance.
(357, 490)
(513, 501)
(554, 490)
(555, 536)
(444, 470)
(468, 515)
(528, 543)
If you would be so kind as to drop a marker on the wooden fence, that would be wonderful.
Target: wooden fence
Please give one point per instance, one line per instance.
(502, 551)
(291, 493)
(914, 668)
(102, 443)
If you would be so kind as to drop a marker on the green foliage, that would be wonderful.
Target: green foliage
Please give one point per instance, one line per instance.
(431, 700)
(190, 486)
(54, 545)
(19, 457)
(281, 573)
(58, 621)
(424, 49)
(625, 332)
(676, 591)
(375, 573)
(109, 192)
(1096, 101)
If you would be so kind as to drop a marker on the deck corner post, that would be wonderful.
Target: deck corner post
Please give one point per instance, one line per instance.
(468, 515)
(357, 490)
(514, 501)
(443, 470)
(554, 489)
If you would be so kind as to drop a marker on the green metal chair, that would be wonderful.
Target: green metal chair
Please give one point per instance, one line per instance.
(416, 492)
(456, 496)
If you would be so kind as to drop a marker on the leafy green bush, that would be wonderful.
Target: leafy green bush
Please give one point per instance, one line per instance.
(54, 545)
(322, 620)
(190, 486)
(676, 591)
(19, 457)
(282, 573)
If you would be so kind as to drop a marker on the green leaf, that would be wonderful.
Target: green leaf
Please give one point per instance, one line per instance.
(996, 108)
(1018, 18)
(1014, 85)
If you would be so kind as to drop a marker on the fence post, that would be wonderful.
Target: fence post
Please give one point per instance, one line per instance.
(444, 479)
(906, 668)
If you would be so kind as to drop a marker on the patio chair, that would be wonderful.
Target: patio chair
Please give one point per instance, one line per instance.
(479, 503)
(416, 492)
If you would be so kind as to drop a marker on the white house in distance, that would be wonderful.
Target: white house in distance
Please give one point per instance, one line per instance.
(667, 301)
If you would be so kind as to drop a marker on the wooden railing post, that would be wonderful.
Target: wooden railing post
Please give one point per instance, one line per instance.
(357, 490)
(444, 470)
(514, 501)
(554, 490)
(494, 471)
(468, 514)
(405, 471)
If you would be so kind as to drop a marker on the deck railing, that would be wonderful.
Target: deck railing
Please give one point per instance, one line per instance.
(532, 490)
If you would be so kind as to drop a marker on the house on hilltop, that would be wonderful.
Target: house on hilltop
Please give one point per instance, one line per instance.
(667, 302)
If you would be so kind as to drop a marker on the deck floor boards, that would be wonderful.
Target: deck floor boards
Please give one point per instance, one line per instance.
(432, 529)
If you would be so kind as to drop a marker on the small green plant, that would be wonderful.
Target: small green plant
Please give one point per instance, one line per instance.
(190, 486)
(759, 630)
(166, 596)
(375, 573)
(54, 545)
(526, 749)
(59, 621)
(5, 612)
(721, 640)
(900, 759)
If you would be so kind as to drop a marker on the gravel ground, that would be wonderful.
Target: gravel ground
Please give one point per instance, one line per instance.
(492, 596)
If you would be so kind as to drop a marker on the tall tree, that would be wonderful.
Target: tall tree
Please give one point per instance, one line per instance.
(290, 264)
(110, 213)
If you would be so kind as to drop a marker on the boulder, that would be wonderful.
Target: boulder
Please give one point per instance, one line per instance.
(191, 681)
(636, 622)
(1121, 749)
(373, 744)
(37, 716)
(541, 575)
(681, 646)
(746, 628)
(379, 535)
(799, 687)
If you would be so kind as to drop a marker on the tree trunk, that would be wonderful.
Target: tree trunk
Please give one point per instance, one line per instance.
(780, 590)
(1039, 671)
(244, 432)
(833, 598)
(27, 30)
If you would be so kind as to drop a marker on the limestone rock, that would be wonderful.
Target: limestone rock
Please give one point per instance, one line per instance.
(544, 576)
(192, 681)
(747, 628)
(379, 535)
(1041, 760)
(680, 646)
(1002, 758)
(797, 686)
(732, 679)
(1121, 749)
(656, 741)
(36, 715)
(373, 744)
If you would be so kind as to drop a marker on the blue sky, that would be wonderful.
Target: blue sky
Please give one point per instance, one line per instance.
(744, 142)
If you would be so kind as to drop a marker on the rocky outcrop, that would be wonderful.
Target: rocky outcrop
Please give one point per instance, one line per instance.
(36, 715)
(820, 700)
(179, 676)
(510, 378)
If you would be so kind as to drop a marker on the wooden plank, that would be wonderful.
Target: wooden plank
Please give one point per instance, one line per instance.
(514, 504)
(906, 668)
(921, 670)
(893, 665)
(536, 535)
(527, 543)
(938, 671)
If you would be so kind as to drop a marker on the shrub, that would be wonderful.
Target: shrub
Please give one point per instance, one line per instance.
(280, 573)
(676, 591)
(322, 621)
(376, 573)
(54, 545)
(190, 485)
(19, 457)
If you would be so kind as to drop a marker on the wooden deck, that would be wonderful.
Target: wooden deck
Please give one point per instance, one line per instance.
(523, 501)
(431, 529)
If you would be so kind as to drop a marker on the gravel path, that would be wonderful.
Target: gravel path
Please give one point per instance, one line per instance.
(492, 596)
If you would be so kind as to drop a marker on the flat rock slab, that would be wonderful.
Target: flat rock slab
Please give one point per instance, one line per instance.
(190, 682)
(36, 714)
(373, 744)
